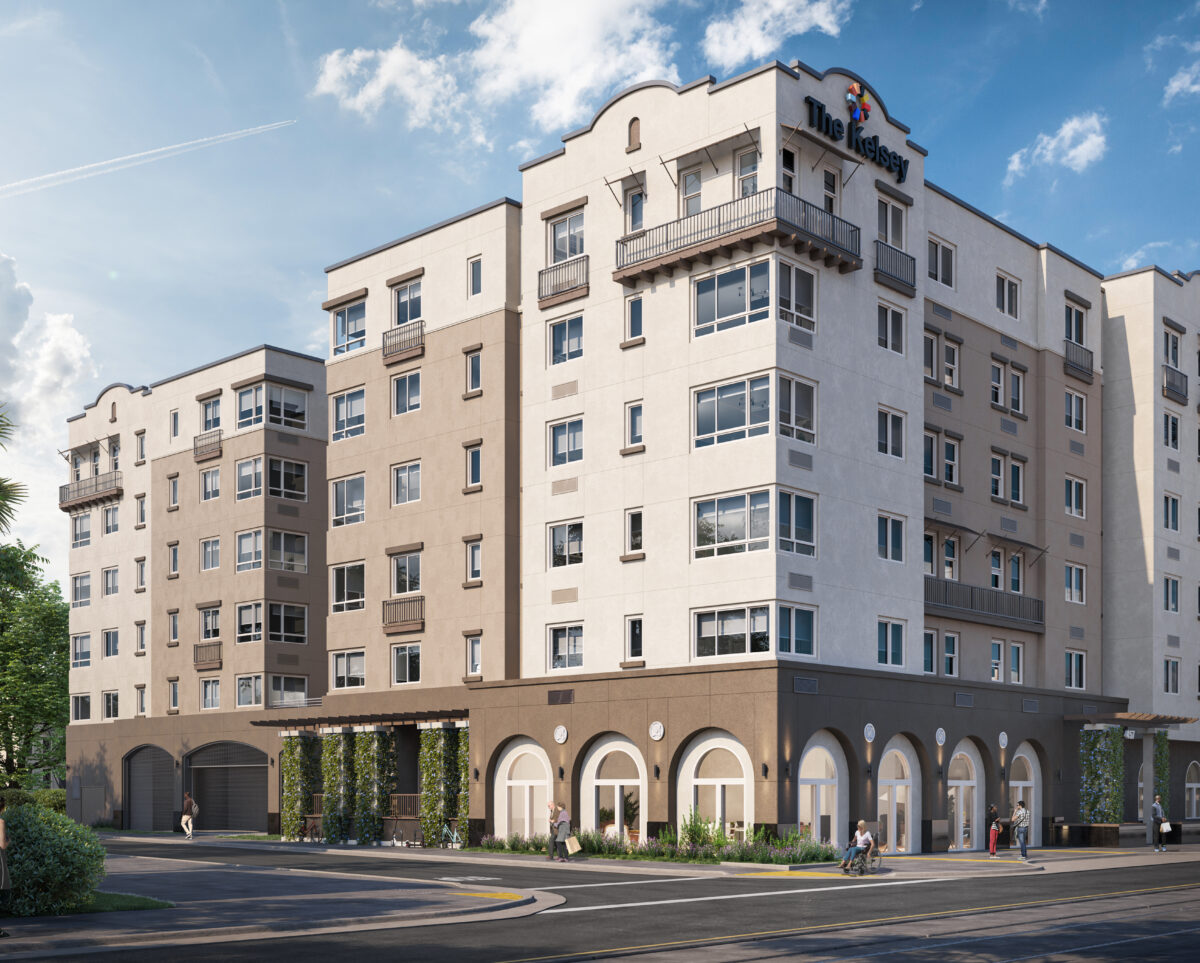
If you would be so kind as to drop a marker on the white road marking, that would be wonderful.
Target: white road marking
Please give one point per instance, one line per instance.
(636, 882)
(468, 879)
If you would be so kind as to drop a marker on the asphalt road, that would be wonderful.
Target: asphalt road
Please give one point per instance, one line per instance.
(1139, 912)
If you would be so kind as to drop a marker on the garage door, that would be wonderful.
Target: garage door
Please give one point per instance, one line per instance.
(150, 789)
(229, 784)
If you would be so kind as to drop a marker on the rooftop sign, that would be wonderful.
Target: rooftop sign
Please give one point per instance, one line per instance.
(838, 130)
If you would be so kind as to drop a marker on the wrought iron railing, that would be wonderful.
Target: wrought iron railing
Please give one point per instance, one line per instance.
(93, 487)
(404, 806)
(403, 610)
(403, 338)
(894, 263)
(983, 601)
(562, 277)
(207, 443)
(1078, 357)
(1175, 384)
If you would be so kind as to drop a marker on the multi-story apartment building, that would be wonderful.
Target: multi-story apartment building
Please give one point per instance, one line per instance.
(197, 510)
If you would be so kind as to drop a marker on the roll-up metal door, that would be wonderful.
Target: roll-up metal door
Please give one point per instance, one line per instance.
(150, 789)
(229, 784)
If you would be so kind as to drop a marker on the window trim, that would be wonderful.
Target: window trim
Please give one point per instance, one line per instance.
(407, 648)
(566, 628)
(349, 517)
(748, 612)
(890, 623)
(237, 688)
(566, 525)
(407, 468)
(751, 383)
(345, 656)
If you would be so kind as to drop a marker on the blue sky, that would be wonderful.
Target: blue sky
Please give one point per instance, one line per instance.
(1077, 123)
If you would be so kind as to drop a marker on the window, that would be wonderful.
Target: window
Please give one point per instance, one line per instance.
(210, 693)
(474, 656)
(796, 301)
(633, 637)
(475, 275)
(890, 329)
(139, 446)
(172, 627)
(997, 660)
(1016, 663)
(1075, 325)
(349, 670)
(210, 554)
(173, 695)
(139, 509)
(797, 630)
(173, 558)
(210, 414)
(96, 457)
(566, 340)
(76, 467)
(1074, 496)
(1170, 593)
(173, 491)
(408, 303)
(289, 690)
(81, 591)
(210, 484)
(797, 523)
(633, 423)
(689, 193)
(474, 561)
(566, 442)
(950, 365)
(350, 412)
(139, 636)
(732, 524)
(1171, 348)
(349, 328)
(787, 179)
(1016, 391)
(210, 624)
(406, 483)
(287, 407)
(566, 647)
(734, 297)
(950, 461)
(249, 550)
(349, 501)
(633, 530)
(111, 524)
(1016, 479)
(287, 479)
(798, 409)
(566, 544)
(950, 653)
(633, 318)
(474, 466)
(890, 541)
(1171, 512)
(173, 420)
(1076, 663)
(81, 708)
(249, 622)
(250, 406)
(289, 623)
(890, 223)
(1171, 431)
(724, 631)
(929, 355)
(406, 573)
(1076, 582)
(997, 384)
(747, 173)
(566, 238)
(1171, 676)
(830, 186)
(1007, 290)
(722, 413)
(474, 371)
(406, 395)
(941, 262)
(929, 548)
(889, 642)
(1016, 573)
(635, 203)
(929, 652)
(109, 581)
(406, 664)
(81, 651)
(81, 530)
(111, 705)
(139, 695)
(288, 552)
(1076, 411)
(114, 452)
(930, 455)
(249, 690)
(950, 559)
(890, 433)
(249, 478)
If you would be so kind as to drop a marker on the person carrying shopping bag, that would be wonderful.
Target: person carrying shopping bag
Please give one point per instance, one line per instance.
(562, 829)
(993, 815)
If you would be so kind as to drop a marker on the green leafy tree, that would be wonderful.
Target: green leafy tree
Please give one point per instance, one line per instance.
(11, 492)
(34, 668)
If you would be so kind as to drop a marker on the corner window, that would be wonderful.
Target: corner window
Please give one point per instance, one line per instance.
(406, 483)
(566, 544)
(566, 647)
(349, 501)
(406, 664)
(287, 479)
(287, 407)
(732, 411)
(249, 550)
(406, 393)
(733, 631)
(797, 299)
(475, 276)
(349, 670)
(349, 414)
(797, 524)
(732, 524)
(732, 298)
(250, 406)
(288, 552)
(249, 478)
(566, 442)
(288, 623)
(797, 630)
(249, 690)
(249, 624)
(798, 409)
(566, 340)
(566, 237)
(349, 328)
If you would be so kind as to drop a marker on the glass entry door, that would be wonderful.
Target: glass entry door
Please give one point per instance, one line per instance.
(895, 787)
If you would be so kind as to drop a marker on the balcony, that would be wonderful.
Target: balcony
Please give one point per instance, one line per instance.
(207, 445)
(1175, 384)
(759, 218)
(404, 342)
(562, 282)
(895, 269)
(405, 614)
(206, 655)
(988, 606)
(1077, 361)
(313, 702)
(88, 490)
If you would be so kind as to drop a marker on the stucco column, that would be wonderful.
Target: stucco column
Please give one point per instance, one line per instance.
(1148, 783)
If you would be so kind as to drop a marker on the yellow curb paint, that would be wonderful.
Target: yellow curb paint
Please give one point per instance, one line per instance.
(494, 895)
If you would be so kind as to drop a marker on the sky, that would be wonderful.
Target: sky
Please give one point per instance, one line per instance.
(175, 177)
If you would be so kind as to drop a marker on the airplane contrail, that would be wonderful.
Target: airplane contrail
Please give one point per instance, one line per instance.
(41, 183)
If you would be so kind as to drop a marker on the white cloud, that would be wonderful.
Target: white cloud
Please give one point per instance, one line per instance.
(1141, 256)
(757, 28)
(917, 5)
(42, 21)
(1035, 7)
(1185, 81)
(1175, 149)
(1076, 145)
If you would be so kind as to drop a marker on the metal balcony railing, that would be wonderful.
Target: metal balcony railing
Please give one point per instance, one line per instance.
(404, 611)
(1077, 360)
(1175, 384)
(986, 603)
(88, 489)
(404, 338)
(207, 444)
(895, 264)
(562, 277)
(404, 806)
(206, 655)
(283, 702)
(745, 212)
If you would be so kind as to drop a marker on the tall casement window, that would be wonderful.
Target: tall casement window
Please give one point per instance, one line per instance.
(1170, 512)
(109, 581)
(139, 511)
(350, 328)
(406, 483)
(747, 173)
(173, 491)
(633, 317)
(633, 423)
(287, 479)
(250, 406)
(1170, 348)
(474, 560)
(831, 188)
(1008, 290)
(566, 544)
(210, 693)
(635, 203)
(1016, 573)
(1076, 666)
(797, 298)
(406, 664)
(566, 442)
(798, 409)
(210, 414)
(111, 705)
(173, 422)
(797, 632)
(1171, 676)
(349, 501)
(348, 587)
(566, 237)
(633, 637)
(111, 520)
(210, 624)
(929, 652)
(797, 523)
(349, 670)
(733, 631)
(941, 262)
(950, 653)
(890, 328)
(890, 537)
(566, 340)
(408, 303)
(1075, 497)
(733, 297)
(929, 550)
(474, 276)
(210, 554)
(950, 461)
(112, 643)
(349, 414)
(732, 524)
(689, 192)
(889, 642)
(566, 647)
(732, 411)
(210, 484)
(474, 371)
(172, 558)
(81, 530)
(406, 573)
(249, 478)
(889, 223)
(474, 456)
(287, 407)
(474, 655)
(1076, 411)
(633, 531)
(890, 432)
(1076, 324)
(249, 550)
(139, 446)
(787, 171)
(406, 392)
(1170, 585)
(1171, 431)
(1076, 583)
(997, 653)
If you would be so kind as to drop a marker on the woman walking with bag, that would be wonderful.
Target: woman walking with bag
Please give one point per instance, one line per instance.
(993, 815)
(562, 829)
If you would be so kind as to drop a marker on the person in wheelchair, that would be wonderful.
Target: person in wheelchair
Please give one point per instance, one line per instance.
(861, 844)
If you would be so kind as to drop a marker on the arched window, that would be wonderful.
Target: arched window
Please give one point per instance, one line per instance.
(1025, 783)
(613, 783)
(895, 789)
(960, 802)
(635, 134)
(112, 414)
(716, 781)
(821, 809)
(1191, 789)
(522, 790)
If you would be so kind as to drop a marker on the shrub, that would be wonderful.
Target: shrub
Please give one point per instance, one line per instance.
(55, 863)
(19, 797)
(55, 799)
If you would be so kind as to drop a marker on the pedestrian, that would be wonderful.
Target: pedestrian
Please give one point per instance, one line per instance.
(5, 882)
(562, 829)
(1020, 822)
(1156, 813)
(552, 810)
(862, 843)
(993, 815)
(190, 809)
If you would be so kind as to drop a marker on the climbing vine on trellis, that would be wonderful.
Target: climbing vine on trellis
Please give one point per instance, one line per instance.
(300, 766)
(337, 770)
(439, 765)
(464, 780)
(1102, 775)
(375, 777)
(1162, 770)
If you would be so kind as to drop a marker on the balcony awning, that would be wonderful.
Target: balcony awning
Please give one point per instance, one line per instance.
(1009, 540)
(1132, 720)
(823, 144)
(735, 140)
(952, 526)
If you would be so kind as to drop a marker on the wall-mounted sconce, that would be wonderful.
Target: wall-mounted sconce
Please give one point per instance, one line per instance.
(561, 773)
(764, 770)
(475, 773)
(940, 772)
(176, 763)
(868, 770)
(656, 770)
(272, 758)
(787, 769)
(1001, 772)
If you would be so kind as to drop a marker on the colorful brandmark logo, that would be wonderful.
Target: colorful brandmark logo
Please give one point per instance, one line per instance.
(857, 102)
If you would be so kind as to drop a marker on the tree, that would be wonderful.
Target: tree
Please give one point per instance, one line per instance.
(34, 669)
(11, 492)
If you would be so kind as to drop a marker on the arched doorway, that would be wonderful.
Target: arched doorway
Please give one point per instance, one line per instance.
(150, 799)
(822, 807)
(613, 783)
(715, 780)
(1025, 783)
(228, 780)
(1191, 791)
(899, 797)
(964, 801)
(523, 790)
